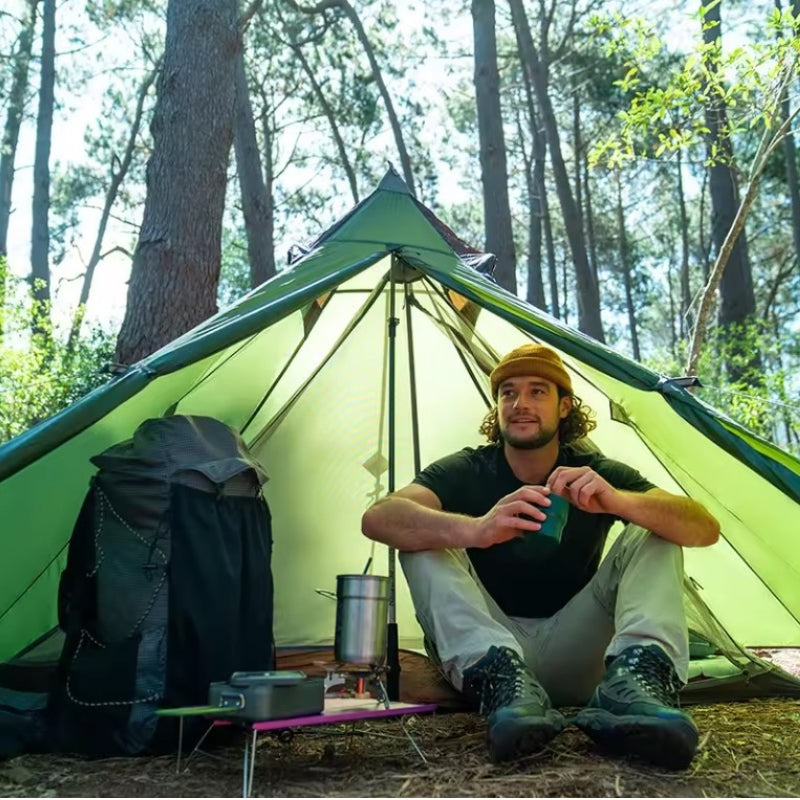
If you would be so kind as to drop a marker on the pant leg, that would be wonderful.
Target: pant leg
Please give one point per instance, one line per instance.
(648, 589)
(456, 613)
(636, 597)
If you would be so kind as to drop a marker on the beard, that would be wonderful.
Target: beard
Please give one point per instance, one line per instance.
(530, 442)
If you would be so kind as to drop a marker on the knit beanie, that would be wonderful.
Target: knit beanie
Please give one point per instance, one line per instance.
(531, 359)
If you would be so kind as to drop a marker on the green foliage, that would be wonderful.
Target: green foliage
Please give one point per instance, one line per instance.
(234, 274)
(667, 108)
(765, 403)
(38, 377)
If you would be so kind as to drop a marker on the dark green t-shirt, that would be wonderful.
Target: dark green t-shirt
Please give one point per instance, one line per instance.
(532, 575)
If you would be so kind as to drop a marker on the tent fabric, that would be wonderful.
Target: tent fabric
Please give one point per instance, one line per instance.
(354, 367)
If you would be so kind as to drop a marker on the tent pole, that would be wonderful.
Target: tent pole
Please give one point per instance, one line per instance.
(412, 381)
(392, 641)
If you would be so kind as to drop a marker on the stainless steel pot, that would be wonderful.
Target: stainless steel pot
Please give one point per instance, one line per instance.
(362, 607)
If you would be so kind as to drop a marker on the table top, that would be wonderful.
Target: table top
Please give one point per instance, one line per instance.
(346, 709)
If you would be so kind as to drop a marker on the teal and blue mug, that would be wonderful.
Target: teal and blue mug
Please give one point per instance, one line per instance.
(555, 522)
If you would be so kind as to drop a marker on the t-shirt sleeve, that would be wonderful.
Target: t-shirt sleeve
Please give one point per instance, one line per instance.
(621, 476)
(449, 479)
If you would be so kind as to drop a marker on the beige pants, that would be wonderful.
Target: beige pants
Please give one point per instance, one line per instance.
(636, 597)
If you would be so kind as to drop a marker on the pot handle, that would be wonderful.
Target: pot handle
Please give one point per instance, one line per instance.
(326, 593)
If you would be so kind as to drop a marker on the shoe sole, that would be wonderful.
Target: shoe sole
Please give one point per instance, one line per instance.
(667, 743)
(514, 738)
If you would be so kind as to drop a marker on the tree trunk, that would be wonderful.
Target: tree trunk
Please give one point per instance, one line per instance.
(535, 290)
(590, 236)
(494, 175)
(40, 206)
(175, 271)
(117, 177)
(576, 153)
(790, 156)
(625, 267)
(267, 131)
(537, 204)
(15, 105)
(737, 300)
(552, 267)
(257, 206)
(589, 320)
(685, 322)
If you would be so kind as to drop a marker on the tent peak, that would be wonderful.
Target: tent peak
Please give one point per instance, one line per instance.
(392, 182)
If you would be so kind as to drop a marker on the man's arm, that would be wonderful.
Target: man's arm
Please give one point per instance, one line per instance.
(412, 519)
(677, 519)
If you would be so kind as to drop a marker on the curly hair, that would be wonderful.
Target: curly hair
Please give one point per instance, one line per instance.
(578, 423)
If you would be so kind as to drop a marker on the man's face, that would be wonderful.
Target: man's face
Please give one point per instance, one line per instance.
(529, 411)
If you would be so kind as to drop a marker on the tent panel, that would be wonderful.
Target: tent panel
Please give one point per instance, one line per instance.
(241, 375)
(320, 486)
(341, 310)
(388, 221)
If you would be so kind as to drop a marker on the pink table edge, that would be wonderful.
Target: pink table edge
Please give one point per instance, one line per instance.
(331, 717)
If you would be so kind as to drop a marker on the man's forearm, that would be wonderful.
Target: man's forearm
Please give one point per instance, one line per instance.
(407, 525)
(677, 519)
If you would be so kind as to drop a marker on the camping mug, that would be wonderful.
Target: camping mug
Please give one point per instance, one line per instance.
(556, 519)
(362, 606)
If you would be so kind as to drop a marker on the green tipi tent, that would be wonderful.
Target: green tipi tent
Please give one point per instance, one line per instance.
(366, 359)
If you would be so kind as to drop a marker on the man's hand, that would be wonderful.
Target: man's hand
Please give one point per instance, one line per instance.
(510, 517)
(677, 519)
(585, 489)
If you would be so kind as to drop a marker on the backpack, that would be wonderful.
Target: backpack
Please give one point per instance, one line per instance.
(167, 587)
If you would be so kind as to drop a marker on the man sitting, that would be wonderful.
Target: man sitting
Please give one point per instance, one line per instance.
(521, 621)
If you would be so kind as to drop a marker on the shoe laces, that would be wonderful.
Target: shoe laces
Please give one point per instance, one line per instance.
(503, 678)
(652, 670)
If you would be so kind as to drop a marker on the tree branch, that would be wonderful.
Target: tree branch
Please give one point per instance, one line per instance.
(249, 13)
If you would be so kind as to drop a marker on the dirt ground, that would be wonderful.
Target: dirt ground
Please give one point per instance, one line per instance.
(747, 749)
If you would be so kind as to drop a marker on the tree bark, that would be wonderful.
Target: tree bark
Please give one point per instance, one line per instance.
(40, 206)
(257, 205)
(494, 174)
(589, 320)
(176, 265)
(15, 106)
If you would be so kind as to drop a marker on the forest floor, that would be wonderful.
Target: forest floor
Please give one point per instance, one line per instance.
(748, 749)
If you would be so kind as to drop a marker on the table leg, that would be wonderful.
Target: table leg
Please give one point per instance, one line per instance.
(411, 739)
(180, 744)
(248, 764)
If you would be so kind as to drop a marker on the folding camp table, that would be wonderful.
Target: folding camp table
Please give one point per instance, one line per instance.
(336, 710)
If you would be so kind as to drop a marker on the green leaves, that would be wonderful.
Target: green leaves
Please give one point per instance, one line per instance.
(669, 98)
(38, 377)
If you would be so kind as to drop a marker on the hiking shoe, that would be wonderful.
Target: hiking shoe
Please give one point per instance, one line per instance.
(521, 719)
(633, 710)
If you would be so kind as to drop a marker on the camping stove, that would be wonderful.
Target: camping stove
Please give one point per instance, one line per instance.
(358, 681)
